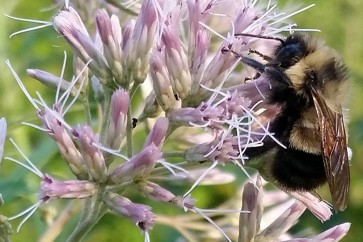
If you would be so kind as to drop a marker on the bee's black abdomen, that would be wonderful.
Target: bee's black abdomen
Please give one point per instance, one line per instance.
(298, 170)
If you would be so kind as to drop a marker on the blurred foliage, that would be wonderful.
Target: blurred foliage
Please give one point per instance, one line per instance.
(340, 23)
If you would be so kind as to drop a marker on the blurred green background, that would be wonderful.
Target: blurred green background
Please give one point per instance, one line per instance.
(340, 22)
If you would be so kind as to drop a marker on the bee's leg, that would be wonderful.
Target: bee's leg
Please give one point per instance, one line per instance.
(265, 57)
(247, 79)
(316, 194)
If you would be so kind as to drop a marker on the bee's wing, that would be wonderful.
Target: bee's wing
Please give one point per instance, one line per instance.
(334, 151)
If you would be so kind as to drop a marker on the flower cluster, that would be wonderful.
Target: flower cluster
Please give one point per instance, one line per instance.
(172, 52)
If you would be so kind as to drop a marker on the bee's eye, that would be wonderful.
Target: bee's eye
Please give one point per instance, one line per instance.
(311, 76)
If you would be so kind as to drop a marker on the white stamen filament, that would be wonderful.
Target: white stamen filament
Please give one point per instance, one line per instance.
(33, 168)
(221, 211)
(36, 127)
(75, 97)
(129, 3)
(213, 31)
(21, 85)
(259, 21)
(268, 4)
(200, 212)
(170, 166)
(110, 151)
(214, 164)
(291, 14)
(79, 88)
(44, 24)
(263, 127)
(29, 211)
(61, 77)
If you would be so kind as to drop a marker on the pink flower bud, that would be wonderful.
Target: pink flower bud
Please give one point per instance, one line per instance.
(64, 142)
(318, 207)
(197, 116)
(109, 30)
(138, 213)
(199, 58)
(155, 191)
(334, 234)
(161, 81)
(92, 156)
(143, 39)
(249, 223)
(159, 193)
(119, 106)
(186, 203)
(69, 24)
(158, 133)
(282, 223)
(127, 41)
(197, 14)
(139, 166)
(48, 79)
(176, 61)
(52, 188)
(221, 149)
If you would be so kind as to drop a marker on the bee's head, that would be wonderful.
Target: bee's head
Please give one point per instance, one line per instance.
(323, 69)
(301, 62)
(290, 51)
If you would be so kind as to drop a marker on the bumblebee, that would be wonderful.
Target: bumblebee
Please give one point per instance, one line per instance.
(309, 82)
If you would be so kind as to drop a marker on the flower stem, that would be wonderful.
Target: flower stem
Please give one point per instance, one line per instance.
(56, 228)
(106, 111)
(180, 154)
(93, 210)
(87, 111)
(129, 124)
(129, 133)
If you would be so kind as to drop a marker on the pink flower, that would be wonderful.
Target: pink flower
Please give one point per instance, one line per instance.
(52, 188)
(120, 102)
(158, 133)
(138, 213)
(92, 156)
(139, 166)
(70, 153)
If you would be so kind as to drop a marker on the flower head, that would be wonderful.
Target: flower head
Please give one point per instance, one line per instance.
(165, 98)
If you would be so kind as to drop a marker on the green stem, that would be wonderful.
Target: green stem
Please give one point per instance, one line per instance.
(87, 111)
(106, 111)
(93, 210)
(180, 154)
(129, 142)
(56, 227)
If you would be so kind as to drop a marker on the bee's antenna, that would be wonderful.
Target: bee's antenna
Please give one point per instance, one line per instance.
(261, 37)
(269, 69)
(259, 67)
